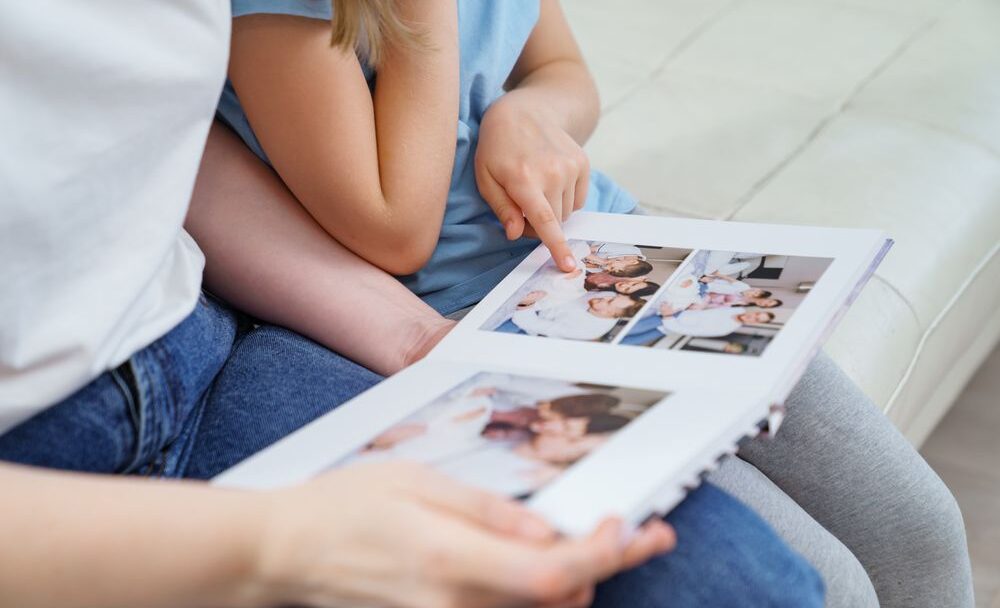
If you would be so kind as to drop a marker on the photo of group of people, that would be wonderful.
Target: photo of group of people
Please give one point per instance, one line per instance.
(509, 434)
(611, 285)
(727, 302)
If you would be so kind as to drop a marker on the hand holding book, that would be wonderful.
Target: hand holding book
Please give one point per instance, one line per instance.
(402, 534)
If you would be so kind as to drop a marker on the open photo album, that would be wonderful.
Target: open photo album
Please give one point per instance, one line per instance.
(608, 390)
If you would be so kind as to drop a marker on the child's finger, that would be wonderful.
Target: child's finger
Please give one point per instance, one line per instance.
(543, 219)
(580, 193)
(503, 206)
(568, 198)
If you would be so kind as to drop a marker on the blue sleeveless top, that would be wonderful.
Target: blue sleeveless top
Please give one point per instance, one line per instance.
(472, 253)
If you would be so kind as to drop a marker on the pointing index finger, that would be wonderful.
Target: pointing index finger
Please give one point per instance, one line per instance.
(549, 229)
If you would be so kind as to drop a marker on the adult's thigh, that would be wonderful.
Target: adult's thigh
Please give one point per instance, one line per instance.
(726, 556)
(275, 382)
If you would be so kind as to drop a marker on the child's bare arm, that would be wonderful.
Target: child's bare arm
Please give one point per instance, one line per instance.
(551, 76)
(374, 173)
(530, 167)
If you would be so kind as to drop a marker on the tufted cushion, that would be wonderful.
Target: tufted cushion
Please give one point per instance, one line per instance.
(867, 113)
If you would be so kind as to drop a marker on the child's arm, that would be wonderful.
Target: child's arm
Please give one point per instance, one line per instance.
(552, 78)
(268, 257)
(374, 171)
(529, 163)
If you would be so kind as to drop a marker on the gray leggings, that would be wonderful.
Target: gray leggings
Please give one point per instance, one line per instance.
(847, 490)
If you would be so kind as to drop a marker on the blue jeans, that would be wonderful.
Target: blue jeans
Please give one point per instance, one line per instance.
(216, 389)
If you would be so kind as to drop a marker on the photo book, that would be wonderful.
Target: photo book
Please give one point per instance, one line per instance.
(611, 389)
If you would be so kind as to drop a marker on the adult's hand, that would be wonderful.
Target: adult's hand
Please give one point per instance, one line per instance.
(402, 535)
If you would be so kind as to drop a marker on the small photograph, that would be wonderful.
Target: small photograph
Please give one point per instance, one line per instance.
(727, 302)
(593, 303)
(509, 434)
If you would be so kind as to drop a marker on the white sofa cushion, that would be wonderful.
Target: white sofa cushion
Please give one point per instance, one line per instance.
(876, 113)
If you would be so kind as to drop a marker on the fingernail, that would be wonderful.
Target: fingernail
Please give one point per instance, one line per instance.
(626, 534)
(509, 229)
(569, 262)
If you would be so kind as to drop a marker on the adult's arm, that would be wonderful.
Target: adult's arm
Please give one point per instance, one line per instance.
(392, 535)
(80, 540)
(269, 257)
(374, 172)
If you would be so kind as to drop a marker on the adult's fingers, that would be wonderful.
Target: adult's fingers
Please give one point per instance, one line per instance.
(654, 538)
(542, 573)
(543, 219)
(497, 513)
(582, 598)
(503, 206)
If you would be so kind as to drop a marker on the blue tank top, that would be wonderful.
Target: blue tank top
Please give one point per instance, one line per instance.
(472, 254)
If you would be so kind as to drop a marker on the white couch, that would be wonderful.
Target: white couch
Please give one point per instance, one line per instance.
(869, 113)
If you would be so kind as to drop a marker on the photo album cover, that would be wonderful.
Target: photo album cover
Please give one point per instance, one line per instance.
(609, 389)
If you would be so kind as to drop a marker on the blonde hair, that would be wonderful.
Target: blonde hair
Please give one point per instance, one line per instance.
(370, 26)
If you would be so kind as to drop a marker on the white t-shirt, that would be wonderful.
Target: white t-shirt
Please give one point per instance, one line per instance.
(454, 427)
(726, 288)
(496, 468)
(726, 262)
(610, 251)
(710, 323)
(105, 108)
(570, 320)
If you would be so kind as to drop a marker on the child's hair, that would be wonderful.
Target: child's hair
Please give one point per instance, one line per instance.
(370, 25)
(638, 268)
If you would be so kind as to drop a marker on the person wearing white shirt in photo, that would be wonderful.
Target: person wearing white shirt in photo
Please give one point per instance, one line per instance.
(587, 318)
(448, 428)
(549, 286)
(712, 322)
(518, 470)
(728, 263)
(617, 259)
(610, 251)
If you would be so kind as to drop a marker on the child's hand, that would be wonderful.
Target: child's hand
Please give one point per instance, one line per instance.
(533, 175)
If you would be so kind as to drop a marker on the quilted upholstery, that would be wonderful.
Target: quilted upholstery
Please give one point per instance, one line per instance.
(867, 113)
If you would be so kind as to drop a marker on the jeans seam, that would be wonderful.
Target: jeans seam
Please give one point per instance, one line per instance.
(132, 392)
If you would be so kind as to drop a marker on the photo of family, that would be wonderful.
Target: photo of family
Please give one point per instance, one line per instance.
(509, 434)
(593, 303)
(727, 302)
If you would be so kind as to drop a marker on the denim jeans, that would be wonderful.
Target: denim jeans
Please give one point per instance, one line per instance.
(215, 390)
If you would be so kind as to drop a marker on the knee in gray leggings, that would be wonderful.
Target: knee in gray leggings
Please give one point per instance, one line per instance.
(928, 532)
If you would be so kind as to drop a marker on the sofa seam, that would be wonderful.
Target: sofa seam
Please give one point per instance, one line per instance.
(899, 294)
(966, 140)
(673, 54)
(825, 123)
(932, 327)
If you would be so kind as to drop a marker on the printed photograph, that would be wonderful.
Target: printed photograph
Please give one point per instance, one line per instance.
(727, 302)
(611, 285)
(509, 434)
